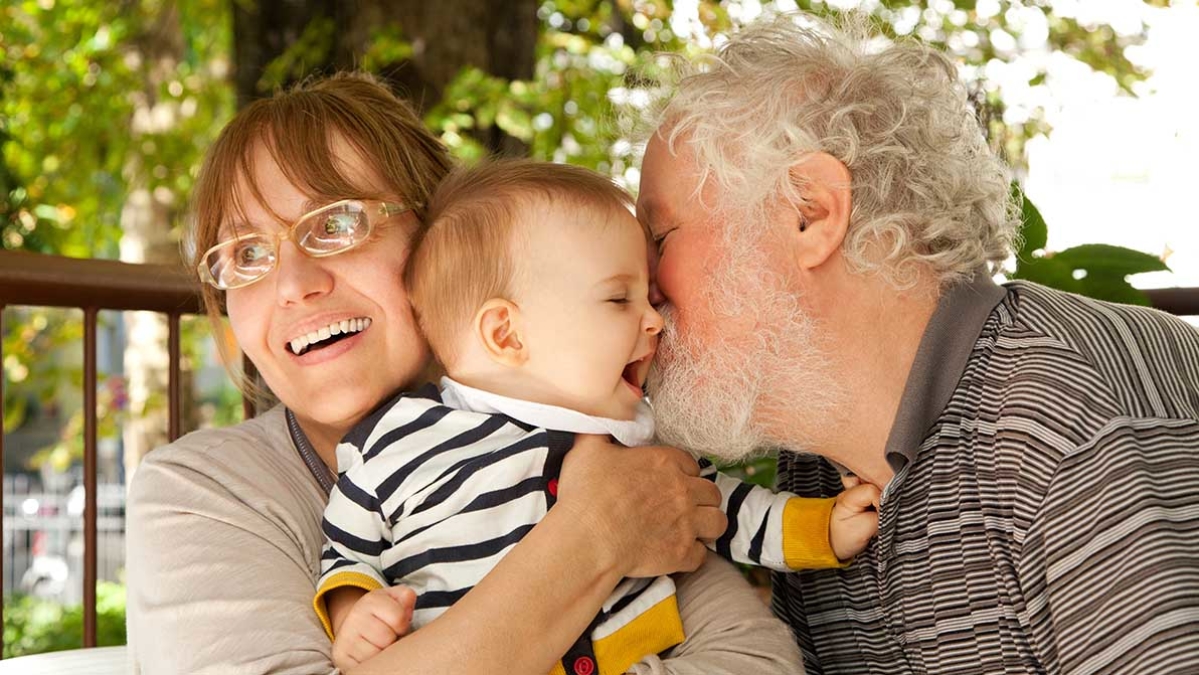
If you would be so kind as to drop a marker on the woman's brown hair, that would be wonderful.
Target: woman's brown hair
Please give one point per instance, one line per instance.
(297, 127)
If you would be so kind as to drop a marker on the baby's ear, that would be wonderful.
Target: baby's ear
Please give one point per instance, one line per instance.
(497, 328)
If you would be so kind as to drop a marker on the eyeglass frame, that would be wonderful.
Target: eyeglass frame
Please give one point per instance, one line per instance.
(388, 209)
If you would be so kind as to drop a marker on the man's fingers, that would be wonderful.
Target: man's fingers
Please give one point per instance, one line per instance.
(849, 481)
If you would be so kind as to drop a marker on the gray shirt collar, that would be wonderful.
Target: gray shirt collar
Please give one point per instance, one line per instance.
(940, 361)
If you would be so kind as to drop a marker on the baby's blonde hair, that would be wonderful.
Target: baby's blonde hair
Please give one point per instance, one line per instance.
(465, 254)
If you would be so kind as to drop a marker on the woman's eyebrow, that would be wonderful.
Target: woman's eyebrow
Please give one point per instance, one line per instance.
(237, 229)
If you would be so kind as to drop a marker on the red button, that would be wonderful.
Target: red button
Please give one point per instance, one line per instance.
(553, 487)
(584, 666)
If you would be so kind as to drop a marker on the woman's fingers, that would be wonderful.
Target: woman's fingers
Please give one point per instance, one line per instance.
(710, 523)
(646, 507)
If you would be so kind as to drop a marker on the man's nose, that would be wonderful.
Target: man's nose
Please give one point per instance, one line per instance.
(298, 276)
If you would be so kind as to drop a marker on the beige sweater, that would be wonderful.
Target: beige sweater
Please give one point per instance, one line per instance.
(223, 549)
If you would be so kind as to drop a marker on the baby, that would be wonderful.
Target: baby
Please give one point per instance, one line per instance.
(531, 284)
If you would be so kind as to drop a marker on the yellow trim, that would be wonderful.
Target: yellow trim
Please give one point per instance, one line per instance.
(805, 534)
(340, 580)
(653, 631)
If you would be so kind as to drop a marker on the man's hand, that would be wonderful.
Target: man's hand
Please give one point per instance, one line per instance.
(855, 518)
(647, 510)
(376, 620)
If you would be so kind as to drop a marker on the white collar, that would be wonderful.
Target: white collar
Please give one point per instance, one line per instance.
(638, 431)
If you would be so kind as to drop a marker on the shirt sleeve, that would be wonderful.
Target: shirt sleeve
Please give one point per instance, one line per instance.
(1110, 563)
(730, 630)
(780, 531)
(356, 535)
(215, 583)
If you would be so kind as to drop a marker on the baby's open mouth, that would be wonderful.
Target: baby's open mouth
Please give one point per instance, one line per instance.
(327, 335)
(635, 371)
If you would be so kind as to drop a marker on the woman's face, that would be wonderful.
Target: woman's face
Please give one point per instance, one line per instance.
(331, 387)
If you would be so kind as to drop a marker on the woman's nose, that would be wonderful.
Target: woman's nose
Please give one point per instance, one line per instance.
(299, 277)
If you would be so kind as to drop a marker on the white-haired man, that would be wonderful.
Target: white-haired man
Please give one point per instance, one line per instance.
(828, 217)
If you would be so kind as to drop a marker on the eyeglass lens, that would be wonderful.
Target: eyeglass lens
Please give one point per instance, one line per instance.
(247, 258)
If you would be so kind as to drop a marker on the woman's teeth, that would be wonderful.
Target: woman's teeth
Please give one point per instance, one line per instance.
(301, 344)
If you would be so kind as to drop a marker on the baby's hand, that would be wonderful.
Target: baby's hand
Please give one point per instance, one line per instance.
(855, 518)
(378, 619)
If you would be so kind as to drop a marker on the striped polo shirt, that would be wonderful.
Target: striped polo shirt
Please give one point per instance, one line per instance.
(1044, 514)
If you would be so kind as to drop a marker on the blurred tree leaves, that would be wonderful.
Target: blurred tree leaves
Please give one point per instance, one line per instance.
(70, 72)
(594, 53)
(1099, 271)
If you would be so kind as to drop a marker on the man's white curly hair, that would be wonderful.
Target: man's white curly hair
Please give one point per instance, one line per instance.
(928, 193)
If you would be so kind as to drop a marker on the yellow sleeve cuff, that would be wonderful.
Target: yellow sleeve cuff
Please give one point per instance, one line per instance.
(355, 579)
(805, 534)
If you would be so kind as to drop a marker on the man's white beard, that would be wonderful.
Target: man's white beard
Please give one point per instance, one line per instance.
(734, 396)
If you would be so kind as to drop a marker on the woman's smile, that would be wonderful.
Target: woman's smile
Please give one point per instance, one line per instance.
(326, 335)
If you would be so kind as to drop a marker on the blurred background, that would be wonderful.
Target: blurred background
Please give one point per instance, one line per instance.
(107, 106)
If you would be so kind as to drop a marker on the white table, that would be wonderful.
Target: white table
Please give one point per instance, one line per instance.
(97, 661)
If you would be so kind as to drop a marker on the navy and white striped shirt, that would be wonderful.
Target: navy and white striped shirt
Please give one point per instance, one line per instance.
(432, 494)
(1044, 515)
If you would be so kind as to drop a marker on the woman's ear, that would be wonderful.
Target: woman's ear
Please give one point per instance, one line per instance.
(821, 219)
(497, 328)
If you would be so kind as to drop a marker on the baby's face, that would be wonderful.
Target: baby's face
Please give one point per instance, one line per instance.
(586, 316)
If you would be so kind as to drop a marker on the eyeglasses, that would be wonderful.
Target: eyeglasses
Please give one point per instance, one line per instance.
(329, 230)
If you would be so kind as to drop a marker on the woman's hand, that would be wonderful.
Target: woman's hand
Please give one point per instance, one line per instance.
(647, 510)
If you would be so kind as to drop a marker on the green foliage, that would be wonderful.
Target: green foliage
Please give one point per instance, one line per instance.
(1099, 271)
(592, 52)
(33, 625)
(73, 72)
(759, 470)
(72, 75)
(311, 49)
(37, 363)
(588, 54)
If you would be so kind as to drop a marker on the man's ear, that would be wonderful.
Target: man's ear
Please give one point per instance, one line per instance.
(821, 220)
(497, 327)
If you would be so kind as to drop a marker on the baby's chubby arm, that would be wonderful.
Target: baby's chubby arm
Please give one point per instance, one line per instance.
(785, 532)
(367, 622)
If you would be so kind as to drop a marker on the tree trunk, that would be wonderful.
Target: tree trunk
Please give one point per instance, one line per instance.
(499, 38)
(146, 226)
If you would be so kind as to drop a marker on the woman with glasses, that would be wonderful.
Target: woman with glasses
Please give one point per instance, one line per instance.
(304, 210)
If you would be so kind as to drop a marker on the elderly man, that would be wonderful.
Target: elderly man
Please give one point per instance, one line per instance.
(828, 217)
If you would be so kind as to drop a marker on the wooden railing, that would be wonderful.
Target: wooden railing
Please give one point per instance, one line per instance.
(95, 285)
